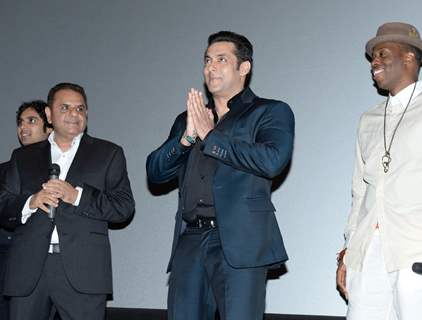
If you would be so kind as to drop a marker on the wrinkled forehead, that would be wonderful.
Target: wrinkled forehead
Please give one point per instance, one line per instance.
(386, 44)
(29, 112)
(220, 48)
(394, 47)
(69, 96)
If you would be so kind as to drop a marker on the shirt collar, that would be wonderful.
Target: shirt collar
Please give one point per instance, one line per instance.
(244, 96)
(401, 99)
(76, 140)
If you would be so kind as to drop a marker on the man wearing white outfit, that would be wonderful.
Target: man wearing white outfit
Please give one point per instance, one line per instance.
(384, 229)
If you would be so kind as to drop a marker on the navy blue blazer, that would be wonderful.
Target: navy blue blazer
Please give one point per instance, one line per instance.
(252, 145)
(99, 167)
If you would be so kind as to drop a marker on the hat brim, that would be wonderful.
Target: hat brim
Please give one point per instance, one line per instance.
(417, 43)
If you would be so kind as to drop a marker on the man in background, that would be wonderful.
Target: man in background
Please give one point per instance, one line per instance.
(32, 127)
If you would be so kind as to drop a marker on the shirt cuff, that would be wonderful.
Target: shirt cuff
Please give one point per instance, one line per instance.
(27, 211)
(184, 148)
(78, 198)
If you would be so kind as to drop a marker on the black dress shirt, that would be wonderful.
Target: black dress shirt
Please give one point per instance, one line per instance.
(198, 193)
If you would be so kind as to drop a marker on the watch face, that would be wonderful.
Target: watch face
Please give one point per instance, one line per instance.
(190, 139)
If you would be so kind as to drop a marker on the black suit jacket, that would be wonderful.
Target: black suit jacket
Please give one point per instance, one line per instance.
(99, 167)
(5, 235)
(252, 144)
(3, 169)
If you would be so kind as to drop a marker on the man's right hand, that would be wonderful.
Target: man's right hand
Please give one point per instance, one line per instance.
(341, 275)
(43, 199)
(190, 128)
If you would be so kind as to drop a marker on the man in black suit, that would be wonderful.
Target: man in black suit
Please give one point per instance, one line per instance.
(32, 126)
(65, 261)
(225, 156)
(5, 241)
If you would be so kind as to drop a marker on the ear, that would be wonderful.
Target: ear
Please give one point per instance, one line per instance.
(48, 114)
(245, 68)
(409, 58)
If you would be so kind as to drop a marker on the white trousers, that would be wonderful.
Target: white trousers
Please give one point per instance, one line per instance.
(375, 294)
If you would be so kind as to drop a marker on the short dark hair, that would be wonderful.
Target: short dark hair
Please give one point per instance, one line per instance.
(244, 48)
(39, 107)
(66, 86)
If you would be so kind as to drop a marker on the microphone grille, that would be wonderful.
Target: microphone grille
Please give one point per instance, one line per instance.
(54, 170)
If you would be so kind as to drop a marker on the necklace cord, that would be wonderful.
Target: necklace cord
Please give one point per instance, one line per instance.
(387, 151)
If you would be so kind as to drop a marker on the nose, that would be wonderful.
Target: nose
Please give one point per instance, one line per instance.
(375, 62)
(22, 125)
(211, 66)
(73, 111)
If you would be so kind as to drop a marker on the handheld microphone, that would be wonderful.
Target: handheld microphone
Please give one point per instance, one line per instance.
(53, 173)
(417, 267)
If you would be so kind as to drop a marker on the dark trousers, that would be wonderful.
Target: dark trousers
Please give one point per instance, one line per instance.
(4, 301)
(54, 288)
(201, 275)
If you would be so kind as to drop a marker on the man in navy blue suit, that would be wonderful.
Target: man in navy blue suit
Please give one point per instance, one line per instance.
(225, 155)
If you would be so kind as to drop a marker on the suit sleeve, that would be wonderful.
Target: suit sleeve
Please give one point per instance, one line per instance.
(268, 154)
(115, 203)
(11, 199)
(358, 193)
(163, 163)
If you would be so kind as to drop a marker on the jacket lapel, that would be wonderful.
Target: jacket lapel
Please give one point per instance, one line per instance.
(237, 108)
(43, 161)
(80, 160)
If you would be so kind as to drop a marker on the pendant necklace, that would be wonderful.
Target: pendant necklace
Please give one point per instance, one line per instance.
(386, 158)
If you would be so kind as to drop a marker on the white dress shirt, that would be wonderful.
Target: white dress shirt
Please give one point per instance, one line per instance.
(393, 200)
(64, 160)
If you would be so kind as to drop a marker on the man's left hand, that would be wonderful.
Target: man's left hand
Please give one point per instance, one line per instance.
(64, 190)
(203, 117)
(341, 275)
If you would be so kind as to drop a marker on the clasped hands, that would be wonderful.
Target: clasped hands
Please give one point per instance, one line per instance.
(200, 119)
(52, 191)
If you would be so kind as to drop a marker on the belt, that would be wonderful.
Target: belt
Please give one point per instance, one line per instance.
(202, 223)
(54, 248)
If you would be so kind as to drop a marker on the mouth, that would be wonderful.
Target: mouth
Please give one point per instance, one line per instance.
(72, 123)
(377, 71)
(25, 134)
(214, 79)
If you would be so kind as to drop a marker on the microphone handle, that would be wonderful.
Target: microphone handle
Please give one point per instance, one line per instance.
(52, 210)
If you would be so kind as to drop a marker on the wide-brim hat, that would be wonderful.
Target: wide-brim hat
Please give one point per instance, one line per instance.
(395, 32)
